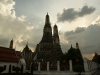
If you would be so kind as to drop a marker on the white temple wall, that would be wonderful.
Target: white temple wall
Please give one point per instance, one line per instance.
(7, 66)
(90, 66)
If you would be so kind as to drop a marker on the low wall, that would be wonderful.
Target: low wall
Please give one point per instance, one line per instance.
(90, 66)
(7, 66)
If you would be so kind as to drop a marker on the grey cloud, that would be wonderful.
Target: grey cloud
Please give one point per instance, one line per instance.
(68, 33)
(65, 47)
(88, 39)
(32, 6)
(71, 14)
(4, 41)
(88, 46)
(67, 15)
(77, 30)
(86, 11)
(33, 37)
(16, 28)
(71, 37)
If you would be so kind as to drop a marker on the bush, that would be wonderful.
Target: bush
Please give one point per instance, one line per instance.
(79, 69)
(2, 68)
(17, 69)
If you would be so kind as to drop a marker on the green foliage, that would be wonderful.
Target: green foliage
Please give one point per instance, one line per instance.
(75, 55)
(17, 69)
(78, 68)
(2, 68)
(21, 69)
(10, 68)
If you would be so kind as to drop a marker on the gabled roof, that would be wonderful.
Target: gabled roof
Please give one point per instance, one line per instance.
(27, 48)
(95, 57)
(8, 55)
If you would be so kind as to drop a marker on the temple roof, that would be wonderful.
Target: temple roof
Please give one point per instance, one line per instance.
(55, 25)
(8, 55)
(95, 57)
(27, 48)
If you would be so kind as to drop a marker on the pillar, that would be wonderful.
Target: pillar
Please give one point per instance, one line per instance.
(58, 66)
(38, 66)
(70, 65)
(47, 66)
(85, 64)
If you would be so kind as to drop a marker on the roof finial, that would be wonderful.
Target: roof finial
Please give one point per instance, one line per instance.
(47, 19)
(71, 44)
(27, 43)
(47, 13)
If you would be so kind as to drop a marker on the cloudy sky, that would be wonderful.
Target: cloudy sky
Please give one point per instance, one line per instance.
(77, 20)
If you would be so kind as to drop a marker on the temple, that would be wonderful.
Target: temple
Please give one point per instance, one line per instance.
(49, 47)
(27, 55)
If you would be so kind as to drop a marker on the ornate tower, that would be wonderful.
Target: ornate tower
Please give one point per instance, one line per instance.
(11, 44)
(27, 55)
(55, 34)
(49, 48)
(47, 31)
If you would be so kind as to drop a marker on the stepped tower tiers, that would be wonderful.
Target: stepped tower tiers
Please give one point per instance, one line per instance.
(49, 47)
(47, 31)
(11, 44)
(55, 34)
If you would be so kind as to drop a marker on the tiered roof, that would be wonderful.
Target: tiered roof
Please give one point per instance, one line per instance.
(9, 55)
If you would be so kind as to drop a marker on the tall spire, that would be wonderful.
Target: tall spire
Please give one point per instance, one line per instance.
(77, 46)
(27, 44)
(55, 34)
(55, 30)
(11, 44)
(47, 19)
(71, 46)
(47, 31)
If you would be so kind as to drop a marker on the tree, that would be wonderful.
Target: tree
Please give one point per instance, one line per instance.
(79, 69)
(75, 55)
(10, 68)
